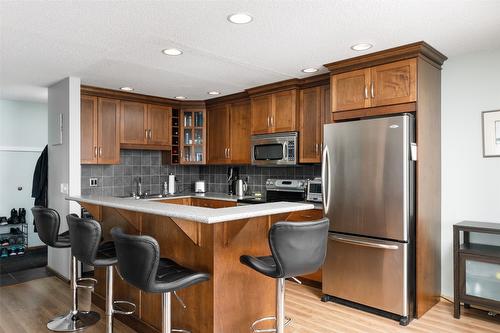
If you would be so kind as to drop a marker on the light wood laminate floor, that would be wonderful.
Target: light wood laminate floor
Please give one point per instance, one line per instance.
(26, 307)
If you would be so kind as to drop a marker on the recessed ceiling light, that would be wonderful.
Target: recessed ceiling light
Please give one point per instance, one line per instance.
(127, 88)
(213, 93)
(172, 52)
(240, 18)
(180, 97)
(310, 70)
(361, 46)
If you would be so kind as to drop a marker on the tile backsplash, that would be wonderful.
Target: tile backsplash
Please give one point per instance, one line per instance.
(120, 179)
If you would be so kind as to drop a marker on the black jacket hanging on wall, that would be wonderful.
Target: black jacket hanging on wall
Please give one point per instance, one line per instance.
(40, 184)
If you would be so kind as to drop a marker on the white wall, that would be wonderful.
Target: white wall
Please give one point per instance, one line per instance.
(64, 159)
(23, 135)
(470, 183)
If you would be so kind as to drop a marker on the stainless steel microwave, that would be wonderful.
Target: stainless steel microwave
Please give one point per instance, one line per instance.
(275, 149)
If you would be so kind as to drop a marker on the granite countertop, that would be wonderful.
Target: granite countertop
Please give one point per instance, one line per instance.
(193, 213)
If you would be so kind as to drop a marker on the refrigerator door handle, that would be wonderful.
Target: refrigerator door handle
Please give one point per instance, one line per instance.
(325, 176)
(348, 240)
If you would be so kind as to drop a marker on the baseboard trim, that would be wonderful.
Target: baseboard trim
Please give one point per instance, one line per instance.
(57, 275)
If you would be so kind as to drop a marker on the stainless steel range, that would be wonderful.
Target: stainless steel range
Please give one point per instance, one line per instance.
(280, 190)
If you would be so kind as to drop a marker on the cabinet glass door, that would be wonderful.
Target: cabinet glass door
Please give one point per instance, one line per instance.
(193, 136)
(482, 279)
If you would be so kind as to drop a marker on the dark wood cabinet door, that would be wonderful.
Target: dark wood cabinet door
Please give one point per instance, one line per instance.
(261, 109)
(284, 114)
(239, 126)
(88, 130)
(218, 134)
(350, 90)
(134, 129)
(159, 125)
(326, 109)
(108, 134)
(394, 83)
(310, 125)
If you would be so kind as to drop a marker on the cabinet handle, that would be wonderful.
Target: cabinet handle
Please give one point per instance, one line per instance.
(366, 91)
(272, 120)
(372, 90)
(228, 152)
(146, 133)
(150, 134)
(100, 151)
(95, 151)
(268, 125)
(316, 148)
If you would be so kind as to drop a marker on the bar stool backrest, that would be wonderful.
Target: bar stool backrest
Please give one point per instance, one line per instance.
(298, 248)
(47, 223)
(138, 258)
(85, 236)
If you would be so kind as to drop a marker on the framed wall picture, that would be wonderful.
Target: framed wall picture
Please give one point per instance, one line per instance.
(491, 133)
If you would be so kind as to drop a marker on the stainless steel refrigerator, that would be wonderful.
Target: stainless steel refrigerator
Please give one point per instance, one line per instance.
(368, 190)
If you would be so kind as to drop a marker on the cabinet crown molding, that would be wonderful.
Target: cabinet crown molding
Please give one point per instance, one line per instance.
(139, 98)
(415, 50)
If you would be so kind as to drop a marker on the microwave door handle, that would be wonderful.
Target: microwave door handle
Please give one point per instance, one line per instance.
(285, 151)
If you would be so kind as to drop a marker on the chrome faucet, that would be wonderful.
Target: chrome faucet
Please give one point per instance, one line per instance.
(138, 186)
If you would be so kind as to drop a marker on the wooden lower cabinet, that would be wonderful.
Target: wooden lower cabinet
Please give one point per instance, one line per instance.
(211, 203)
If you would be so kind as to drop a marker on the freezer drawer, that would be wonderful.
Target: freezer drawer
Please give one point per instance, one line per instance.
(367, 271)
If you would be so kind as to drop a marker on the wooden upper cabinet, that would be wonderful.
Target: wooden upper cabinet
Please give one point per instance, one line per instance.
(274, 113)
(239, 148)
(388, 84)
(261, 114)
(350, 90)
(284, 115)
(229, 133)
(145, 125)
(159, 125)
(218, 134)
(88, 130)
(394, 83)
(108, 131)
(326, 105)
(310, 125)
(193, 136)
(134, 121)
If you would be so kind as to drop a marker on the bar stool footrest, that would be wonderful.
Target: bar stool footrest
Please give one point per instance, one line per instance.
(180, 330)
(288, 320)
(124, 312)
(92, 284)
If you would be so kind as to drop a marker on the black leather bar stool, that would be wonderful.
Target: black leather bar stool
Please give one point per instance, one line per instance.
(297, 248)
(139, 263)
(47, 222)
(86, 245)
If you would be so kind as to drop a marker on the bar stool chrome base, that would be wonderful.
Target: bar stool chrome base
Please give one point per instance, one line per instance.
(73, 321)
(281, 320)
(166, 314)
(288, 320)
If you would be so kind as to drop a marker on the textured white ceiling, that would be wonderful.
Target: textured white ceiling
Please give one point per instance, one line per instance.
(114, 44)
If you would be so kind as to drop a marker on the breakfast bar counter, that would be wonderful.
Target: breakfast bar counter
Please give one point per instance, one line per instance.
(204, 239)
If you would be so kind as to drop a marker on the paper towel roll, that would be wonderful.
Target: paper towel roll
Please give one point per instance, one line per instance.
(171, 183)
